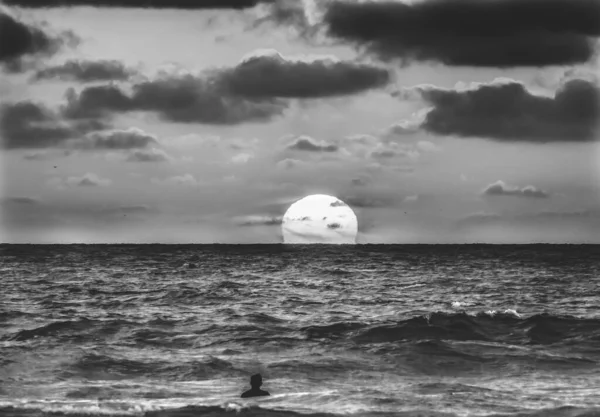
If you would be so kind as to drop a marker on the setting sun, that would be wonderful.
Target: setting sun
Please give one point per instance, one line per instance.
(319, 218)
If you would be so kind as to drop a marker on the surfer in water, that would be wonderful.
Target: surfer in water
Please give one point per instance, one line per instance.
(255, 391)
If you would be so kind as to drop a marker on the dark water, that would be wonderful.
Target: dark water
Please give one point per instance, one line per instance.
(170, 330)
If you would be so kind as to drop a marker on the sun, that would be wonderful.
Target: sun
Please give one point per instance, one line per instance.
(319, 218)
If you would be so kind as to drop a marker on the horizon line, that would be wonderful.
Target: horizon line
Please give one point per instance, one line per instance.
(306, 244)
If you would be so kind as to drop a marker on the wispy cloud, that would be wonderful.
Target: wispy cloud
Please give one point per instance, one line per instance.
(148, 155)
(258, 220)
(307, 144)
(88, 179)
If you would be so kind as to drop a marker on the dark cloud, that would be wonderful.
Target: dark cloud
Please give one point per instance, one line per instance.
(334, 226)
(501, 188)
(118, 139)
(18, 39)
(148, 155)
(505, 33)
(184, 99)
(31, 125)
(190, 99)
(272, 75)
(27, 124)
(259, 220)
(22, 44)
(155, 4)
(96, 102)
(86, 71)
(253, 91)
(368, 201)
(508, 111)
(305, 143)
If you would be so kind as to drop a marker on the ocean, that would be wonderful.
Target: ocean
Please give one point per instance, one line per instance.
(362, 330)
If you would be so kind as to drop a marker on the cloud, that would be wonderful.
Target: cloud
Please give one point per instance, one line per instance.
(125, 210)
(393, 150)
(300, 219)
(86, 71)
(359, 181)
(148, 155)
(302, 15)
(242, 158)
(26, 124)
(550, 219)
(363, 201)
(19, 201)
(506, 110)
(405, 127)
(19, 40)
(87, 180)
(288, 163)
(183, 99)
(501, 188)
(269, 74)
(186, 180)
(305, 143)
(258, 220)
(46, 155)
(253, 91)
(96, 102)
(426, 146)
(148, 4)
(194, 99)
(118, 139)
(507, 33)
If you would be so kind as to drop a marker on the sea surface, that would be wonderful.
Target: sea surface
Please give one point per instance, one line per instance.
(365, 330)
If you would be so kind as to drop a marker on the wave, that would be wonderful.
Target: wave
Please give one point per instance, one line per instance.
(76, 330)
(93, 366)
(488, 326)
(51, 329)
(543, 329)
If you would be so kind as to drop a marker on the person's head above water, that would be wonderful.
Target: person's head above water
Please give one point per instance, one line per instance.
(256, 381)
(255, 391)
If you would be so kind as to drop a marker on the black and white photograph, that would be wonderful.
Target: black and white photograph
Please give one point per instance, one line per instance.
(300, 208)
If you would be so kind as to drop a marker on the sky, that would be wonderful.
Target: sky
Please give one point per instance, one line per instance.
(202, 121)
